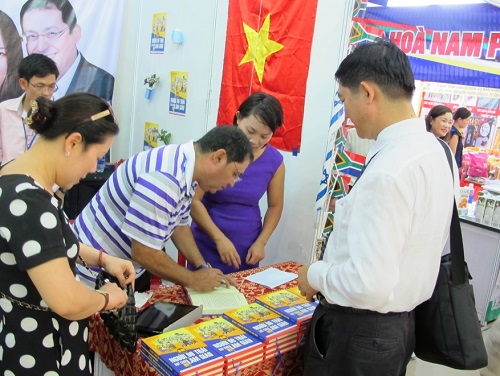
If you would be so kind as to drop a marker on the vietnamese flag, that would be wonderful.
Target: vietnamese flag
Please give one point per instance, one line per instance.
(268, 47)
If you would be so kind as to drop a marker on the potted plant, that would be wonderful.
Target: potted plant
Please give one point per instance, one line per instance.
(151, 82)
(165, 136)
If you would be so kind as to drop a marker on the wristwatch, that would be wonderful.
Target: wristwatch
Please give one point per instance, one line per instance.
(204, 266)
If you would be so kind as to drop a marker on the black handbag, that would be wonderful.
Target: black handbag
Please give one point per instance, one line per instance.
(447, 329)
(122, 323)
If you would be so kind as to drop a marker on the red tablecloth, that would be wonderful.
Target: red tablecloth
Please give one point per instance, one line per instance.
(124, 363)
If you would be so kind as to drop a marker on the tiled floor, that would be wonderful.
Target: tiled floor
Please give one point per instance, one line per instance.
(418, 367)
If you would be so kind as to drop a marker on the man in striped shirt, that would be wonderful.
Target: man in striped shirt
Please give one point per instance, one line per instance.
(147, 200)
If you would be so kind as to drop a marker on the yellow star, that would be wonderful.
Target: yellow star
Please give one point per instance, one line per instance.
(259, 46)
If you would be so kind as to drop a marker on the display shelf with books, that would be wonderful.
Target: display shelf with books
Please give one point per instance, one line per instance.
(182, 353)
(239, 348)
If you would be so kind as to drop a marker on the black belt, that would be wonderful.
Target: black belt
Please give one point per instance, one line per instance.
(359, 311)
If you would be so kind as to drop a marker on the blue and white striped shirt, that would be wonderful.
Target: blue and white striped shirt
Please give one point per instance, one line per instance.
(145, 199)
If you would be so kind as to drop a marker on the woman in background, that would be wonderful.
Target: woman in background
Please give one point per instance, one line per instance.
(454, 137)
(44, 309)
(11, 53)
(439, 121)
(227, 225)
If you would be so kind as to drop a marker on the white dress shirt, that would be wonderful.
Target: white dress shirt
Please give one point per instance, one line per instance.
(389, 232)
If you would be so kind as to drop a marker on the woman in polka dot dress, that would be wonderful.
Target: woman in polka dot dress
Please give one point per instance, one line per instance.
(44, 309)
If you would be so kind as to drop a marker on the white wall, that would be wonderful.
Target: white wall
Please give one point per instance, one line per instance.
(204, 27)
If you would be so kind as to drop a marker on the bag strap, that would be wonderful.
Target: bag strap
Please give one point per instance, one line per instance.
(456, 242)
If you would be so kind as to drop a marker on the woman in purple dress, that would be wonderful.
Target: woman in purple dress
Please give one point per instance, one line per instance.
(227, 225)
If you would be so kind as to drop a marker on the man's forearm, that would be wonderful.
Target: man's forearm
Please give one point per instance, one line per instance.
(157, 262)
(183, 239)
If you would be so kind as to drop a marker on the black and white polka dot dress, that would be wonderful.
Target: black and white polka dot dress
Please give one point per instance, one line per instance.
(34, 230)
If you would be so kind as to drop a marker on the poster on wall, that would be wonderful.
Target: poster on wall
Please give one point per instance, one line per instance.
(178, 93)
(483, 103)
(151, 132)
(158, 32)
(81, 36)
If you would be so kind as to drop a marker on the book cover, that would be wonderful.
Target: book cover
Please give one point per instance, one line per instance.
(182, 352)
(260, 321)
(163, 316)
(227, 339)
(219, 300)
(289, 305)
(162, 369)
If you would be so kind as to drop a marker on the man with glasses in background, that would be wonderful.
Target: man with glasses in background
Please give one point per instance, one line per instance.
(37, 77)
(50, 27)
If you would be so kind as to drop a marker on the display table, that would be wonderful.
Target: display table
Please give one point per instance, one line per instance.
(124, 363)
(482, 254)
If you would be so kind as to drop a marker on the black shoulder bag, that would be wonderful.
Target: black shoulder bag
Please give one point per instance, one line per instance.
(447, 329)
(121, 324)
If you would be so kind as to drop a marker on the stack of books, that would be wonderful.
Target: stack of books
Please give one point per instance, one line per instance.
(180, 352)
(278, 334)
(292, 306)
(240, 349)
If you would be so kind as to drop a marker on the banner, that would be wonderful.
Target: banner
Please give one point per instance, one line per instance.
(268, 46)
(457, 44)
(86, 52)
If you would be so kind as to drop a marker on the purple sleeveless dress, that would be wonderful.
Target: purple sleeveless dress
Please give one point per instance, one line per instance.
(236, 211)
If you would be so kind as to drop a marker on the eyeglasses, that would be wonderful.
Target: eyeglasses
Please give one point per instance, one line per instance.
(41, 88)
(237, 178)
(33, 37)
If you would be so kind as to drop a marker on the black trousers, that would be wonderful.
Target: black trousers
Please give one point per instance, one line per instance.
(345, 341)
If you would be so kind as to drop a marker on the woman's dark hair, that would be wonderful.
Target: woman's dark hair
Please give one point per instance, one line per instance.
(461, 113)
(229, 138)
(435, 111)
(266, 108)
(10, 88)
(84, 113)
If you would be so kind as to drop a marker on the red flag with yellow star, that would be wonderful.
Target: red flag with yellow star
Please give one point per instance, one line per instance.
(268, 47)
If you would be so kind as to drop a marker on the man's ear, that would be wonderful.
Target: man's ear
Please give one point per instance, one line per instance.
(77, 33)
(367, 91)
(219, 157)
(24, 84)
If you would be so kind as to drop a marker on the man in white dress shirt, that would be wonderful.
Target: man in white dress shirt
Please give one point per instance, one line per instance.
(383, 256)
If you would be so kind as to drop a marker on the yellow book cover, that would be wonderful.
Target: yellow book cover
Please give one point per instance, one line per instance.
(226, 338)
(180, 350)
(289, 305)
(260, 321)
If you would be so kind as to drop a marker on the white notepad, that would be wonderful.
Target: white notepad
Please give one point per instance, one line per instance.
(271, 277)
